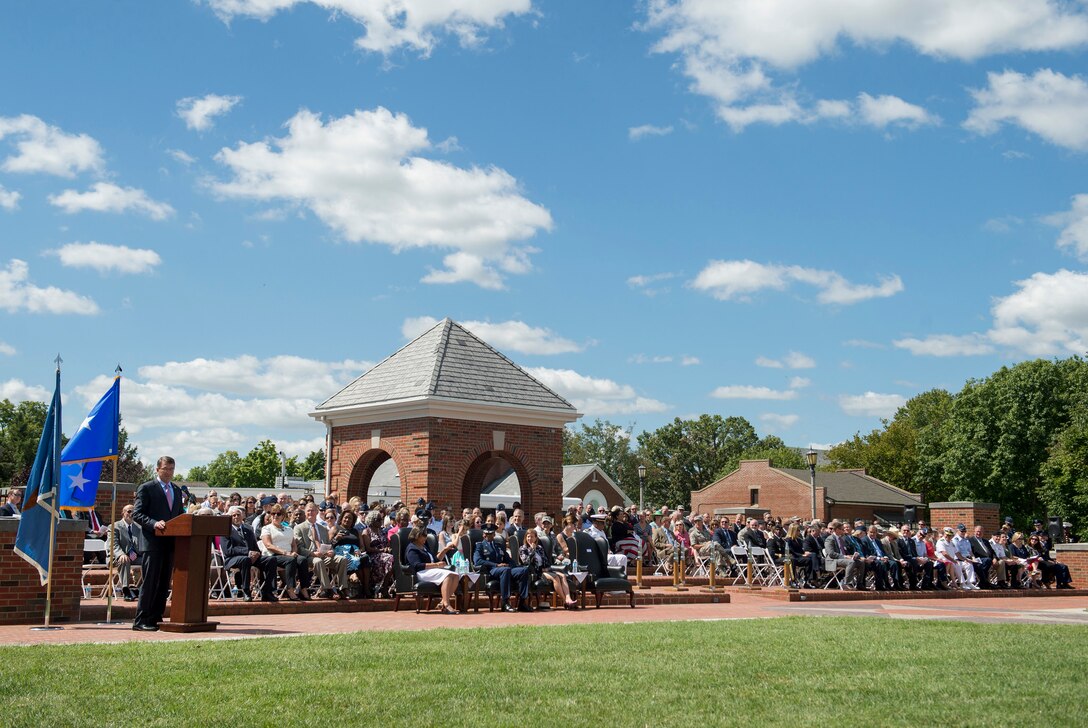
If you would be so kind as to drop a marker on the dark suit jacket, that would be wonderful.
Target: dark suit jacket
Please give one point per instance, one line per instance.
(814, 545)
(725, 537)
(981, 548)
(490, 555)
(416, 559)
(239, 545)
(151, 507)
(7, 510)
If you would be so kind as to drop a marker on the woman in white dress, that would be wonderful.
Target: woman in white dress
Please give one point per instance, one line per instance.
(427, 568)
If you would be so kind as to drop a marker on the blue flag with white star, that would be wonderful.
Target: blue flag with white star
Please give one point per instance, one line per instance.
(94, 442)
(32, 541)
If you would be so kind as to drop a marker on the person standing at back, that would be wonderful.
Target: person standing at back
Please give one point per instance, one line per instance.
(157, 501)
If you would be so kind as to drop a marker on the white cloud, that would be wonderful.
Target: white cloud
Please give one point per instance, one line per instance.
(104, 258)
(16, 390)
(743, 391)
(779, 422)
(48, 149)
(745, 56)
(644, 359)
(946, 345)
(180, 156)
(108, 197)
(361, 175)
(1049, 104)
(596, 397)
(644, 283)
(9, 199)
(198, 112)
(17, 293)
(278, 376)
(689, 361)
(635, 133)
(738, 279)
(1047, 316)
(863, 344)
(799, 382)
(871, 404)
(792, 360)
(392, 24)
(886, 110)
(503, 335)
(1074, 224)
(7, 349)
(1002, 225)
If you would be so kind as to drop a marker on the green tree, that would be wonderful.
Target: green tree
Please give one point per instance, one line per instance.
(20, 430)
(313, 466)
(1065, 476)
(220, 472)
(260, 468)
(687, 455)
(608, 445)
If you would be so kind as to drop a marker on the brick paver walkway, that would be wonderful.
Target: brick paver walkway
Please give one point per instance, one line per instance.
(1049, 610)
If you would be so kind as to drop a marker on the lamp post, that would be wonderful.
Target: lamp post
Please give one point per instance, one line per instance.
(811, 457)
(641, 485)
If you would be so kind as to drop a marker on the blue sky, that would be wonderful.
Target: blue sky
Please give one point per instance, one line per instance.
(802, 212)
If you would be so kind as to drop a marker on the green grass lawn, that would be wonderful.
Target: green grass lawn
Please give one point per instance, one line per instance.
(857, 671)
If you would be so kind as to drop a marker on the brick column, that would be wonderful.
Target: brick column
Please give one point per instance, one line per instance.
(969, 513)
(126, 494)
(1075, 556)
(22, 598)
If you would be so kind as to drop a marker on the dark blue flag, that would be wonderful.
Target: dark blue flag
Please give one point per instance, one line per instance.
(33, 541)
(95, 441)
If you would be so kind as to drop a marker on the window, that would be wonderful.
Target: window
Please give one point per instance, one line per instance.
(754, 496)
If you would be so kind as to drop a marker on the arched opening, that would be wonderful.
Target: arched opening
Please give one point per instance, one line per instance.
(495, 478)
(375, 477)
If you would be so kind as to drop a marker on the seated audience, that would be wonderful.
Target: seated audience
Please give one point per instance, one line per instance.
(241, 552)
(539, 562)
(314, 544)
(493, 561)
(127, 550)
(428, 568)
(280, 542)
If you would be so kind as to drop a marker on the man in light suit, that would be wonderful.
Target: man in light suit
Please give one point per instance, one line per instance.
(837, 549)
(126, 550)
(157, 501)
(313, 543)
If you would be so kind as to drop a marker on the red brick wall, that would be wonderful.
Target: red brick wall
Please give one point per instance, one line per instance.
(778, 493)
(22, 598)
(126, 494)
(987, 515)
(1075, 556)
(435, 459)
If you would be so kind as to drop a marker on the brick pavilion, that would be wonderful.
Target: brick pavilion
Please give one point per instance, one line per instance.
(453, 414)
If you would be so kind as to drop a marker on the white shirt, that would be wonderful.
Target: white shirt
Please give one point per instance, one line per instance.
(945, 550)
(281, 537)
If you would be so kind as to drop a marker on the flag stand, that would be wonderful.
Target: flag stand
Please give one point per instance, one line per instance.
(109, 556)
(52, 518)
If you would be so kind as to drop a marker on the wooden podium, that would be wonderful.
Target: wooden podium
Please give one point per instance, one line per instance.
(192, 561)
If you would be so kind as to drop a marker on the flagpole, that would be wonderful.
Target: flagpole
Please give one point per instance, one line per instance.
(113, 513)
(53, 510)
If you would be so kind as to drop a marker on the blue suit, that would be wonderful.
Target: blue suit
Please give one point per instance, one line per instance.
(491, 558)
(881, 564)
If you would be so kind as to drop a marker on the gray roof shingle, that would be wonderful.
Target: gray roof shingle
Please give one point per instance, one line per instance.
(851, 486)
(447, 361)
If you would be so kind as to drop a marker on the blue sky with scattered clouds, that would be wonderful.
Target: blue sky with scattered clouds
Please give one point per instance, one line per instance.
(799, 211)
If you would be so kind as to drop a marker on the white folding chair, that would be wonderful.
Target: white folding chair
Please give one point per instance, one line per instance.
(701, 563)
(97, 547)
(836, 574)
(220, 582)
(741, 556)
(764, 567)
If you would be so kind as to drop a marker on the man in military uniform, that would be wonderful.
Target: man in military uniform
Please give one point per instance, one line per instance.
(491, 557)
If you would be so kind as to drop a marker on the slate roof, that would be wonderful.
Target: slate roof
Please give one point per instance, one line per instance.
(849, 486)
(509, 485)
(448, 362)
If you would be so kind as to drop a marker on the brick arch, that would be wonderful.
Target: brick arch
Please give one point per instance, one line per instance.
(477, 465)
(362, 470)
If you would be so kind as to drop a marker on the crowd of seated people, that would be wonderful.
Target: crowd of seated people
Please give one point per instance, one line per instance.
(310, 548)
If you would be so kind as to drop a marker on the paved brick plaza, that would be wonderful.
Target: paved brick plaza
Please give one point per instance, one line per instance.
(1015, 610)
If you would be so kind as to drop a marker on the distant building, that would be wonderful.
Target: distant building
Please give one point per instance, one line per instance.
(757, 486)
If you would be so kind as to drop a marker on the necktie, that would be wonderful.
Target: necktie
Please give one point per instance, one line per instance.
(169, 492)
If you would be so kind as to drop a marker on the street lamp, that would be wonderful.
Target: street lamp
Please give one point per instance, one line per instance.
(641, 485)
(811, 457)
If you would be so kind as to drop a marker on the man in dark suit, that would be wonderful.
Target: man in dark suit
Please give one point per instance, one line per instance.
(11, 506)
(240, 551)
(491, 557)
(127, 545)
(984, 553)
(919, 567)
(157, 501)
